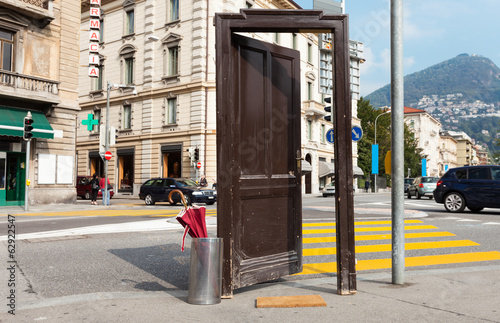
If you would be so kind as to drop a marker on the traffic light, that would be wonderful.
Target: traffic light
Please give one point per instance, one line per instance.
(328, 109)
(113, 134)
(196, 154)
(28, 126)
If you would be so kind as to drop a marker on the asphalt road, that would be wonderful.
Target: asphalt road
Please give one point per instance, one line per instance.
(150, 260)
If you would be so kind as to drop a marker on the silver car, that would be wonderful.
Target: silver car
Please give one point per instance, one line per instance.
(422, 186)
(329, 190)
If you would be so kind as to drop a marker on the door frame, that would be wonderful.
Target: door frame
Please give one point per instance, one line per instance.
(289, 21)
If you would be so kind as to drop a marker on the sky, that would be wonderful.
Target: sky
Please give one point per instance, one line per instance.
(434, 31)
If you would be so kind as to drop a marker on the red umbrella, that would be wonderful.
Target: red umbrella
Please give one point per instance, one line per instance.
(191, 218)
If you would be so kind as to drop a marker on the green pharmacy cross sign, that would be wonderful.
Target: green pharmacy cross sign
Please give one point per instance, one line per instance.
(90, 122)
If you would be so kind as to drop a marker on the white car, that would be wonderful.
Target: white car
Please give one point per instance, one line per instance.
(329, 190)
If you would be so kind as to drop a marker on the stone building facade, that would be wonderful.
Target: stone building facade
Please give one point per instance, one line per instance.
(39, 74)
(166, 50)
(426, 129)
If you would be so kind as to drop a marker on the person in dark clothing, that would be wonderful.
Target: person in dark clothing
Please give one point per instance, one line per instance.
(367, 185)
(94, 186)
(203, 181)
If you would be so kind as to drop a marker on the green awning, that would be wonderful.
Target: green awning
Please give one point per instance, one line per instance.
(12, 123)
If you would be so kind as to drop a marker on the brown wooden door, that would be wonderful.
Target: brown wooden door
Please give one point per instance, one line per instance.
(261, 222)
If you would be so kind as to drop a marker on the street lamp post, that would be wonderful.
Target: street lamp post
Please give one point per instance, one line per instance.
(106, 145)
(375, 180)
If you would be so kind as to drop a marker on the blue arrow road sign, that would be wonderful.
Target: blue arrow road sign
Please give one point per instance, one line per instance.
(329, 136)
(356, 133)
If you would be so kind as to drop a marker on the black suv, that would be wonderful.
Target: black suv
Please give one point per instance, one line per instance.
(157, 190)
(476, 187)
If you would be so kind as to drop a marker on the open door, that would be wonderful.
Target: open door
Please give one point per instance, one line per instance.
(261, 225)
(258, 147)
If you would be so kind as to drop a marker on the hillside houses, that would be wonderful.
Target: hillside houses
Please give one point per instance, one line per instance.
(452, 107)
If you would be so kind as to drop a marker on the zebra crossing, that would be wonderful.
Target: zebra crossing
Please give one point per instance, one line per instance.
(425, 245)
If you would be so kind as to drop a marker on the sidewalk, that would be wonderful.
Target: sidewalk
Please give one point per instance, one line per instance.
(459, 294)
(446, 295)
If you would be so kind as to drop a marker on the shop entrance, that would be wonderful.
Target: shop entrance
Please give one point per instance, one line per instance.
(96, 164)
(125, 181)
(15, 178)
(171, 161)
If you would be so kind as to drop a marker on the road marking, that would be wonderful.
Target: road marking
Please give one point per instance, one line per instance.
(467, 220)
(372, 229)
(332, 224)
(388, 247)
(380, 237)
(102, 212)
(331, 267)
(497, 223)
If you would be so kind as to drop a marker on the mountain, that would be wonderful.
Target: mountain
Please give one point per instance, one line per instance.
(476, 77)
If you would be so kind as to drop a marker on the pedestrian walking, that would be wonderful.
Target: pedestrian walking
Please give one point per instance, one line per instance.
(105, 199)
(94, 185)
(367, 185)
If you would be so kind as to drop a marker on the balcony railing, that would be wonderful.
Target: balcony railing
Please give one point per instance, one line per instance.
(39, 3)
(41, 10)
(29, 87)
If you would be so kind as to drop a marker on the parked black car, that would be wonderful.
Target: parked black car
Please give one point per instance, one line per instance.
(422, 186)
(476, 187)
(157, 190)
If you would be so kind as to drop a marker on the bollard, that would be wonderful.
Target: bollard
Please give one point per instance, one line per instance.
(205, 276)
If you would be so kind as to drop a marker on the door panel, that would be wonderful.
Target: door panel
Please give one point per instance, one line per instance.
(265, 235)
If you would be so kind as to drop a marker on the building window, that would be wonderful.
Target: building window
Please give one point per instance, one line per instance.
(129, 21)
(171, 112)
(309, 91)
(171, 55)
(7, 49)
(97, 116)
(129, 70)
(412, 124)
(127, 61)
(101, 28)
(277, 38)
(309, 129)
(173, 62)
(96, 84)
(127, 117)
(174, 10)
(323, 133)
(309, 52)
(294, 41)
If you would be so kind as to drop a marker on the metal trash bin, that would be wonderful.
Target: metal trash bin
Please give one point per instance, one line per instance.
(205, 276)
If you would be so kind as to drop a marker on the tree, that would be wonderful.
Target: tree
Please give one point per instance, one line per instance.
(412, 154)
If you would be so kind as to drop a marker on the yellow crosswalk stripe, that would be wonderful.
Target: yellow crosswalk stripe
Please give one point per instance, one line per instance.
(331, 267)
(332, 224)
(388, 247)
(371, 229)
(387, 236)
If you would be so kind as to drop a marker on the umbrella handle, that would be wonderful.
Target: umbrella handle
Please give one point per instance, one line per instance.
(182, 197)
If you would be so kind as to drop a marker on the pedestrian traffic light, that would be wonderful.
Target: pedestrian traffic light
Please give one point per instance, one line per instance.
(196, 154)
(28, 126)
(328, 109)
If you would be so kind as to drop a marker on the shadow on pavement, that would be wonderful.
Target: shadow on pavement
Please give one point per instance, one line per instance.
(166, 262)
